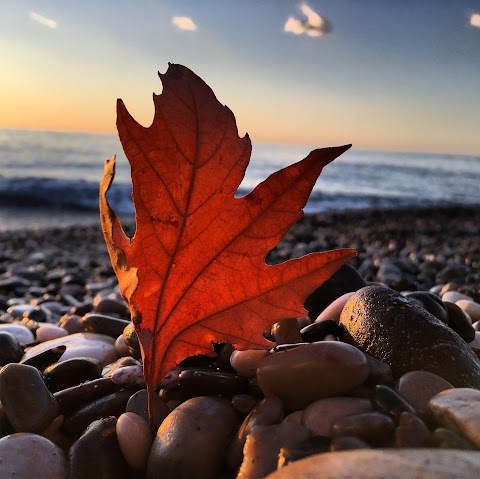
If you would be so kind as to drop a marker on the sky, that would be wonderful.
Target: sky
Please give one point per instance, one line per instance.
(401, 75)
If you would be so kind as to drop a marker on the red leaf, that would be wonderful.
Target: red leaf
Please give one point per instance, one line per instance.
(194, 272)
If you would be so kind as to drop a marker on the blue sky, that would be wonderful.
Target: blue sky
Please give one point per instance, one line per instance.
(391, 74)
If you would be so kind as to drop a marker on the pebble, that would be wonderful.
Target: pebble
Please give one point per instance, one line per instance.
(411, 431)
(138, 404)
(319, 330)
(46, 332)
(313, 371)
(203, 426)
(386, 325)
(10, 349)
(263, 444)
(121, 347)
(89, 345)
(333, 310)
(454, 296)
(471, 308)
(71, 372)
(29, 405)
(380, 464)
(459, 321)
(103, 324)
(431, 302)
(373, 427)
(212, 383)
(458, 409)
(246, 362)
(418, 387)
(388, 401)
(319, 416)
(22, 333)
(27, 455)
(97, 455)
(135, 439)
(126, 371)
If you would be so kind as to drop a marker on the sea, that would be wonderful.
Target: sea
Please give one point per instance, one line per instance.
(51, 178)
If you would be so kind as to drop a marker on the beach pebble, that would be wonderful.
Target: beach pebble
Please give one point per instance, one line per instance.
(138, 404)
(374, 427)
(458, 409)
(268, 411)
(263, 445)
(26, 455)
(388, 401)
(121, 347)
(200, 382)
(286, 331)
(29, 405)
(431, 302)
(96, 454)
(381, 464)
(471, 308)
(345, 280)
(246, 362)
(460, 322)
(203, 426)
(386, 325)
(135, 439)
(319, 330)
(71, 323)
(312, 371)
(71, 372)
(46, 332)
(379, 372)
(454, 296)
(131, 340)
(103, 324)
(110, 305)
(10, 349)
(113, 404)
(126, 371)
(418, 387)
(320, 415)
(89, 345)
(333, 310)
(411, 431)
(476, 341)
(22, 333)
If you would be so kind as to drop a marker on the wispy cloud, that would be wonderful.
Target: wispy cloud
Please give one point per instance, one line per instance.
(45, 21)
(184, 23)
(313, 26)
(475, 20)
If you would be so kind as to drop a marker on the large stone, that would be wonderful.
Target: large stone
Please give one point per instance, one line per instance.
(312, 371)
(380, 464)
(29, 405)
(193, 440)
(386, 325)
(26, 455)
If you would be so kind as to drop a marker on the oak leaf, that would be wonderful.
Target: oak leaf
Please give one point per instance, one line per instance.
(194, 273)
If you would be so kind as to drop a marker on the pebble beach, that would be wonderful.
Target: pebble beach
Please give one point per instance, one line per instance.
(381, 377)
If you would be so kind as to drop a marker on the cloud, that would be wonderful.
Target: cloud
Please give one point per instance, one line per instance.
(184, 23)
(313, 26)
(475, 20)
(45, 21)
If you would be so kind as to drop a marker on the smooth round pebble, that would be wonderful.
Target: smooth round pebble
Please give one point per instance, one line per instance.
(454, 296)
(471, 308)
(46, 332)
(246, 362)
(418, 387)
(312, 371)
(333, 310)
(10, 349)
(134, 438)
(27, 455)
(121, 347)
(320, 415)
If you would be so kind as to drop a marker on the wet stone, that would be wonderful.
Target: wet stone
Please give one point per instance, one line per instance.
(389, 402)
(459, 322)
(22, 333)
(44, 459)
(73, 398)
(246, 363)
(318, 330)
(97, 455)
(71, 372)
(111, 305)
(431, 302)
(103, 324)
(10, 349)
(286, 331)
(380, 372)
(112, 405)
(212, 383)
(131, 340)
(386, 325)
(138, 404)
(44, 358)
(29, 405)
(374, 427)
